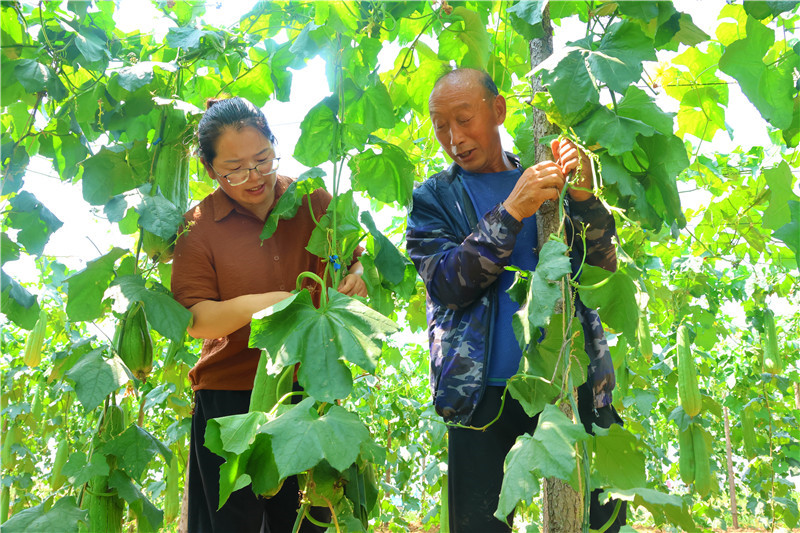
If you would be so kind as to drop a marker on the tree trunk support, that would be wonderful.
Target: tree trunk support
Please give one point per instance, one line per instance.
(731, 480)
(562, 505)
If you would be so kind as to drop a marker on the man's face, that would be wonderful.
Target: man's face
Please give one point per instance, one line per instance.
(466, 118)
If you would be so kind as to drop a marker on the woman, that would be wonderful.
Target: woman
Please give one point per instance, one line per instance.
(223, 273)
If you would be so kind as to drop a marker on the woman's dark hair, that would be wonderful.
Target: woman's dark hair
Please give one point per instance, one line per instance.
(228, 113)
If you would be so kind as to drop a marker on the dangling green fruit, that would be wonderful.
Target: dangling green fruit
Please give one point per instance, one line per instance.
(135, 346)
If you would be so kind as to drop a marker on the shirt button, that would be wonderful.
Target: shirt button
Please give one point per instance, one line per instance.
(282, 287)
(276, 258)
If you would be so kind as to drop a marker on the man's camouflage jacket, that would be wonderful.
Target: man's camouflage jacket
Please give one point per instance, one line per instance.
(459, 257)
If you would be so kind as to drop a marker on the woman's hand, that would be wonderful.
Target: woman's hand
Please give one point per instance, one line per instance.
(567, 156)
(352, 284)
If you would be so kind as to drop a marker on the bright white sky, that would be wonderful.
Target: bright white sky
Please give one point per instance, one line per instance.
(85, 235)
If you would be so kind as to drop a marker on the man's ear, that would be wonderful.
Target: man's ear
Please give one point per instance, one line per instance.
(500, 109)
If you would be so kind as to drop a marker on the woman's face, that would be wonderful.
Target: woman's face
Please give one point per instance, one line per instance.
(243, 148)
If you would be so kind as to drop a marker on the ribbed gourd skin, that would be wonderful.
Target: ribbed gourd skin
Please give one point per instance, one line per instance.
(688, 389)
(135, 344)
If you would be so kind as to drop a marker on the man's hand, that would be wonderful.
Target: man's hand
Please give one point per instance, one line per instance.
(567, 156)
(543, 181)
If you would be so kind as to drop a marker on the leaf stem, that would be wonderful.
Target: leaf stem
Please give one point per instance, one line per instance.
(301, 513)
(311, 275)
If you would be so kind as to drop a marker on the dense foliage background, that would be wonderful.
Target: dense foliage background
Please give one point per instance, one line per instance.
(706, 239)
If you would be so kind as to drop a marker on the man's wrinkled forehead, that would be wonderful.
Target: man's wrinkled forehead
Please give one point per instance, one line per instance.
(457, 96)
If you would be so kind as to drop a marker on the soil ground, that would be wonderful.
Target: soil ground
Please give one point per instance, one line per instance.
(419, 528)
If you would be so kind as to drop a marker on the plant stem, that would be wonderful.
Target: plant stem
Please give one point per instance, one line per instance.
(301, 513)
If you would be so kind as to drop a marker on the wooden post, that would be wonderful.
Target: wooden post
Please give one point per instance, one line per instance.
(563, 506)
(731, 481)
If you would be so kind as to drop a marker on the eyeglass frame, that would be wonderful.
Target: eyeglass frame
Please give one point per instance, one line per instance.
(274, 170)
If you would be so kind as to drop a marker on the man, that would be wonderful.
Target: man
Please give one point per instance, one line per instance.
(466, 225)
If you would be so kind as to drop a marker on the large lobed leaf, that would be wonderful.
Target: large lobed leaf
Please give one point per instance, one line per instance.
(549, 452)
(769, 85)
(33, 220)
(614, 297)
(295, 331)
(62, 517)
(164, 314)
(265, 452)
(19, 305)
(86, 288)
(96, 377)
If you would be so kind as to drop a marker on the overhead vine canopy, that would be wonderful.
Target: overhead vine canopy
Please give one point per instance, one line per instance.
(114, 114)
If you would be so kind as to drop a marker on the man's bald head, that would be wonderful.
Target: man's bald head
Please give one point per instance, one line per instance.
(468, 76)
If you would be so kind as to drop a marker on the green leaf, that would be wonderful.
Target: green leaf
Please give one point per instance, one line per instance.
(286, 206)
(568, 80)
(185, 37)
(295, 331)
(348, 230)
(9, 250)
(701, 114)
(159, 216)
(550, 452)
(643, 10)
(35, 222)
(86, 288)
(387, 176)
(91, 47)
(769, 88)
(638, 105)
(17, 303)
(373, 109)
(164, 314)
(619, 58)
(689, 33)
(32, 75)
(236, 435)
(542, 366)
(526, 18)
(520, 483)
(305, 45)
(665, 508)
(150, 518)
(618, 461)
(78, 472)
(108, 173)
(544, 289)
(779, 182)
(96, 377)
(615, 299)
(317, 132)
(262, 467)
(667, 156)
(63, 517)
(390, 262)
(301, 438)
(534, 393)
(237, 439)
(790, 232)
(136, 76)
(614, 132)
(525, 141)
(134, 448)
(763, 10)
(467, 42)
